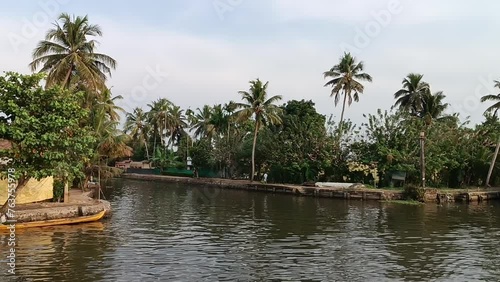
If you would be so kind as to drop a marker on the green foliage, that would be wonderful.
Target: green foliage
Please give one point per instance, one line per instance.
(366, 170)
(406, 202)
(68, 54)
(296, 150)
(306, 146)
(58, 190)
(201, 154)
(413, 193)
(164, 159)
(44, 127)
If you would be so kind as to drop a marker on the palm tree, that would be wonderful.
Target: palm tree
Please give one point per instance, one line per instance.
(106, 103)
(229, 109)
(136, 125)
(176, 123)
(159, 117)
(494, 98)
(346, 77)
(433, 108)
(261, 108)
(493, 108)
(67, 52)
(200, 122)
(410, 97)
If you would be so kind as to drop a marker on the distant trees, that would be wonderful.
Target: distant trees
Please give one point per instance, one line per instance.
(493, 108)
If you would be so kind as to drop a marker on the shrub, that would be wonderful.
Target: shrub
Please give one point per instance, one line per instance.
(414, 193)
(58, 190)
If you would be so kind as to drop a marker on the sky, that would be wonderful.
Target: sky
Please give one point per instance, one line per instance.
(196, 52)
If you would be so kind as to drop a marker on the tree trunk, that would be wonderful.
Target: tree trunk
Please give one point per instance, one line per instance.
(21, 184)
(493, 161)
(66, 191)
(253, 149)
(154, 146)
(67, 78)
(342, 115)
(146, 146)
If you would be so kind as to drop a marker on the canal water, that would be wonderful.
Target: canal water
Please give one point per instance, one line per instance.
(170, 232)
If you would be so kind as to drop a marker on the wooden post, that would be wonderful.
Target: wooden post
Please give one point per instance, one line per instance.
(422, 157)
(493, 161)
(66, 191)
(99, 183)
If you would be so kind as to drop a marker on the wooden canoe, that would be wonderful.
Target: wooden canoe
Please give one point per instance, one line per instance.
(52, 222)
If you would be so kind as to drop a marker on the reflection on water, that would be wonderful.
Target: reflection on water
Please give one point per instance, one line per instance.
(162, 232)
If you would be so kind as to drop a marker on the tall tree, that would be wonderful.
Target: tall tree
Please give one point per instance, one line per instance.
(433, 108)
(346, 80)
(43, 126)
(176, 123)
(136, 125)
(261, 108)
(200, 122)
(159, 118)
(493, 108)
(410, 97)
(68, 52)
(493, 98)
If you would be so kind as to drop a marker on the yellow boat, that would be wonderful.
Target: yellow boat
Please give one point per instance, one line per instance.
(52, 222)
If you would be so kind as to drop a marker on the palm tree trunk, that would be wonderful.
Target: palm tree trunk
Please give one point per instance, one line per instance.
(154, 144)
(146, 146)
(493, 161)
(342, 115)
(253, 149)
(66, 79)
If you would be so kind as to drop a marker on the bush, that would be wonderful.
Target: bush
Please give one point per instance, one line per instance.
(414, 193)
(58, 190)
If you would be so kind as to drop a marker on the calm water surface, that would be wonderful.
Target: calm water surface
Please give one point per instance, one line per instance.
(168, 232)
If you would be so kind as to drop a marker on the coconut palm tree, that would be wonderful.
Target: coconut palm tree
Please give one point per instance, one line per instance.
(493, 108)
(200, 122)
(159, 118)
(106, 103)
(410, 97)
(261, 108)
(494, 98)
(346, 80)
(176, 124)
(229, 109)
(136, 125)
(433, 108)
(68, 52)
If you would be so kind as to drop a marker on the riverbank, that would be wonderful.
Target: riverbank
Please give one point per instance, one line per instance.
(80, 204)
(355, 193)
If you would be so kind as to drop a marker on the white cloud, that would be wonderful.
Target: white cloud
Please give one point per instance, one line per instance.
(204, 70)
(362, 11)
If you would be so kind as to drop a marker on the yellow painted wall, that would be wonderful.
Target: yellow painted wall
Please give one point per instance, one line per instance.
(35, 191)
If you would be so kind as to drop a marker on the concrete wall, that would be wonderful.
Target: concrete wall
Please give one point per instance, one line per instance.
(34, 191)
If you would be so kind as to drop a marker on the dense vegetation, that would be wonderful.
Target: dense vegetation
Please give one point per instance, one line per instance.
(68, 127)
(245, 138)
(295, 144)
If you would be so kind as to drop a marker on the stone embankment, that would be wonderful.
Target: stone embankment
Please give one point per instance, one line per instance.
(351, 191)
(80, 204)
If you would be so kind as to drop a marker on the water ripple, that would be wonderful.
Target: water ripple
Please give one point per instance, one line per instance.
(162, 232)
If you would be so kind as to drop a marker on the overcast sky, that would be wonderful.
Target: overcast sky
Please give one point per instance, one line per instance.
(197, 52)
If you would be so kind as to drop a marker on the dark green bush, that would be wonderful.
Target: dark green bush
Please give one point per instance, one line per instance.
(413, 192)
(58, 190)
